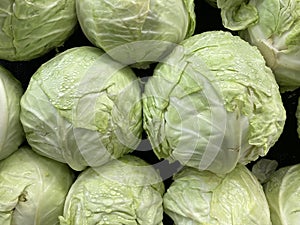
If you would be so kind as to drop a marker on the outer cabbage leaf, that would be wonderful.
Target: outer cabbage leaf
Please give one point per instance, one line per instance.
(201, 197)
(213, 103)
(31, 28)
(282, 192)
(11, 132)
(136, 32)
(237, 14)
(82, 108)
(263, 169)
(33, 188)
(124, 191)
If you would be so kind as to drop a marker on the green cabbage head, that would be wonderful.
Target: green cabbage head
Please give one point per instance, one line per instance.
(11, 131)
(33, 188)
(31, 28)
(283, 195)
(201, 197)
(213, 103)
(274, 27)
(136, 32)
(82, 108)
(124, 191)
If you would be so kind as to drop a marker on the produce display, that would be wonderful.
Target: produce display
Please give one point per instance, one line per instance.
(149, 112)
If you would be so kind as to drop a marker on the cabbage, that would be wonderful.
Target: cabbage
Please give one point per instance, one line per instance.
(274, 27)
(124, 191)
(32, 188)
(82, 108)
(213, 103)
(283, 195)
(31, 28)
(11, 132)
(136, 32)
(202, 197)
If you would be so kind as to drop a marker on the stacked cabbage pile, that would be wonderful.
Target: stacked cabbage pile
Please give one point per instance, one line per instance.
(150, 121)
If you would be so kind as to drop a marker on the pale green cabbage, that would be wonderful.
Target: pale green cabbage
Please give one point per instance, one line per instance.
(213, 103)
(283, 195)
(201, 197)
(82, 108)
(31, 28)
(274, 27)
(136, 32)
(11, 130)
(124, 191)
(33, 188)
